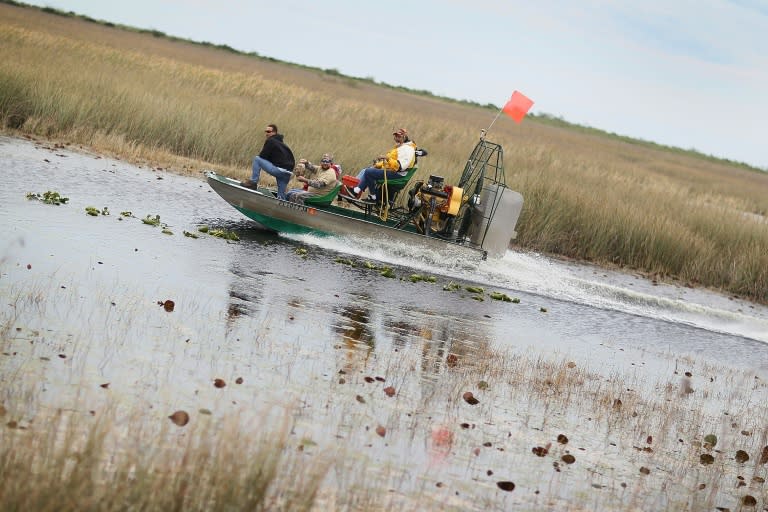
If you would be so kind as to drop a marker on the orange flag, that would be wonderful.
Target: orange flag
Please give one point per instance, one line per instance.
(517, 106)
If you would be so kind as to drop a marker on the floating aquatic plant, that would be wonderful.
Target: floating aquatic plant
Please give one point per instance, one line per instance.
(451, 287)
(223, 233)
(203, 228)
(500, 296)
(190, 235)
(301, 251)
(180, 418)
(469, 397)
(167, 231)
(474, 289)
(152, 221)
(387, 272)
(345, 261)
(168, 304)
(52, 197)
(48, 197)
(126, 214)
(415, 278)
(95, 212)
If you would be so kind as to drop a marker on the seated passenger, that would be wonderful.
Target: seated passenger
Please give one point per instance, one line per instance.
(318, 180)
(395, 164)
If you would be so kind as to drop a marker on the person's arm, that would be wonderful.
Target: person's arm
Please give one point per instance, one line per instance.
(316, 183)
(323, 179)
(309, 166)
(268, 150)
(392, 163)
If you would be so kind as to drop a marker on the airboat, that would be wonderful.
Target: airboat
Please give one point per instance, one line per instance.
(478, 215)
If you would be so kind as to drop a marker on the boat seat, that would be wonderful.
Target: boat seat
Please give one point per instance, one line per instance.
(324, 200)
(394, 186)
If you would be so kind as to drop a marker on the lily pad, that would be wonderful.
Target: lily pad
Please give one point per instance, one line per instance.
(49, 197)
(506, 486)
(150, 220)
(223, 233)
(179, 418)
(500, 296)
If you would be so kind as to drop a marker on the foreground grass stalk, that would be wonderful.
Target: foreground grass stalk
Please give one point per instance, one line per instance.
(81, 467)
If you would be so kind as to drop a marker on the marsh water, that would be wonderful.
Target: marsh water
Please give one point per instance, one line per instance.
(83, 295)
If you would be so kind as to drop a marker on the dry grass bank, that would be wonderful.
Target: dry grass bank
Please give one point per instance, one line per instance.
(588, 195)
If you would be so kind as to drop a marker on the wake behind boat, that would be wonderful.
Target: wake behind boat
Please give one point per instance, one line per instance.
(477, 216)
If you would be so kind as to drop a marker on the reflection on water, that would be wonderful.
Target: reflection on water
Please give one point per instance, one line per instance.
(357, 341)
(353, 326)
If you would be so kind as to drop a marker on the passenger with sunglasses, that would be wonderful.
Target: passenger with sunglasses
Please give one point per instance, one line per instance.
(276, 158)
(395, 164)
(318, 180)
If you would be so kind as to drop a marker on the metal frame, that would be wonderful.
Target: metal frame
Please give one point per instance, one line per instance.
(485, 164)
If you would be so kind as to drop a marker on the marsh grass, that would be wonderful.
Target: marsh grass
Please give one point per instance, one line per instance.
(567, 436)
(589, 195)
(70, 461)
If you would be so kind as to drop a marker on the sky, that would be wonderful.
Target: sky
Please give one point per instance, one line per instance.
(691, 74)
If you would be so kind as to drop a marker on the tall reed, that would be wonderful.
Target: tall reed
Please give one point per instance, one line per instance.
(589, 195)
(98, 463)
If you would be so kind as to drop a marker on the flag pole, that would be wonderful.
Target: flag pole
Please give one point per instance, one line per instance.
(484, 132)
(516, 107)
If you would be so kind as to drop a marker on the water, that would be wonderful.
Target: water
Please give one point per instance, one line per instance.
(82, 308)
(585, 306)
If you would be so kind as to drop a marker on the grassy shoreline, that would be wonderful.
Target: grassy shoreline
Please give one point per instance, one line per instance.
(185, 106)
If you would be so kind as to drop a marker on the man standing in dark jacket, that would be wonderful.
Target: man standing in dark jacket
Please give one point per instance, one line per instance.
(276, 158)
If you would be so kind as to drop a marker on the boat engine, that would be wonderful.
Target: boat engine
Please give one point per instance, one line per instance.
(435, 206)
